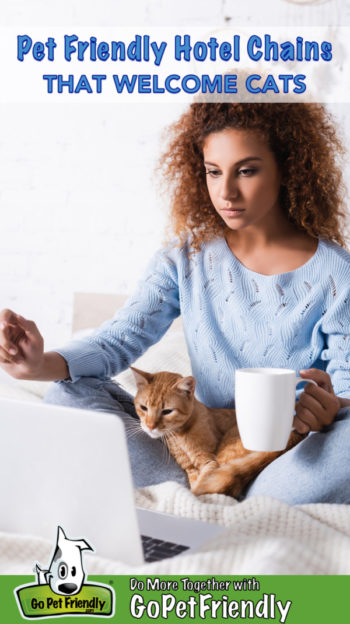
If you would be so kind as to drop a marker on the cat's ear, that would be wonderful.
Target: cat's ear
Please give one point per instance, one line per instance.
(142, 379)
(186, 385)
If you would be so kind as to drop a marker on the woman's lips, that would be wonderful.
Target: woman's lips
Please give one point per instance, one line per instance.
(232, 212)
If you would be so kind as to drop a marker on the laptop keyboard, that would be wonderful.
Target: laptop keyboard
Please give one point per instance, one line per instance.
(156, 549)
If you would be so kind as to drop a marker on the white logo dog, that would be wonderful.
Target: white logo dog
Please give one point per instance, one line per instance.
(65, 574)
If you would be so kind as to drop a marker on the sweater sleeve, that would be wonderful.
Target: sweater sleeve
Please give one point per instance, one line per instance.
(336, 327)
(142, 321)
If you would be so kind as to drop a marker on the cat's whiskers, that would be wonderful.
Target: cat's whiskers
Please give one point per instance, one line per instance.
(165, 451)
(134, 434)
(133, 428)
(168, 435)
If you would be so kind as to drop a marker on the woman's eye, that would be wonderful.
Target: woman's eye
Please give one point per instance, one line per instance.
(246, 173)
(144, 408)
(165, 412)
(214, 173)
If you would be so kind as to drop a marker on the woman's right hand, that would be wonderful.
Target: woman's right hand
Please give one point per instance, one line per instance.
(21, 346)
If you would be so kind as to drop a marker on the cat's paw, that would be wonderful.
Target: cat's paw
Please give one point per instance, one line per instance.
(200, 487)
(192, 476)
(207, 485)
(215, 482)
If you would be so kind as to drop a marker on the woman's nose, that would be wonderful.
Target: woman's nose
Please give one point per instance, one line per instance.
(229, 188)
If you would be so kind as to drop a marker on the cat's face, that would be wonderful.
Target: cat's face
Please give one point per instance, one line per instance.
(164, 401)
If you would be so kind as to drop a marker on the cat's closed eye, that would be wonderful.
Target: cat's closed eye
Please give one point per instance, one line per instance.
(165, 412)
(144, 408)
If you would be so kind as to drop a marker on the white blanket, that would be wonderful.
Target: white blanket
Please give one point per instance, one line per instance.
(263, 536)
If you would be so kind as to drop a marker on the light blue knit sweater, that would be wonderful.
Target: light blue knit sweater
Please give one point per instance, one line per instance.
(233, 318)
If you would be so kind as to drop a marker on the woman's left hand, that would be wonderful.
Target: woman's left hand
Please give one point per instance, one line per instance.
(317, 405)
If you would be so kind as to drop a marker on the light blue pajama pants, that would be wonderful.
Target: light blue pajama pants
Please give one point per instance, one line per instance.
(317, 470)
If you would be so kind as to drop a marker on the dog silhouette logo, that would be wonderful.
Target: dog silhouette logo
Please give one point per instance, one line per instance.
(61, 588)
(66, 573)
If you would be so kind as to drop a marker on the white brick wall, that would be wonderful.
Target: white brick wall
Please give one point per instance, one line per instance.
(79, 208)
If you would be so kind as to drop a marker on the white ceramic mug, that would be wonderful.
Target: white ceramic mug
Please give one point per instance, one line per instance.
(265, 402)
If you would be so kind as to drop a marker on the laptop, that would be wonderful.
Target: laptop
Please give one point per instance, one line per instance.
(68, 467)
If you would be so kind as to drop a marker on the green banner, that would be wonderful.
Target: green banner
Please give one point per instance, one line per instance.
(200, 598)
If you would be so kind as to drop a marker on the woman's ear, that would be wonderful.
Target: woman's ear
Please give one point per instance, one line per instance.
(186, 385)
(142, 379)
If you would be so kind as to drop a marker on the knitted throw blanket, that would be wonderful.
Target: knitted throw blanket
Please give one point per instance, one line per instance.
(263, 536)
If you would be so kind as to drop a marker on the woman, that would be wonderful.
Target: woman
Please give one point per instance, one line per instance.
(260, 276)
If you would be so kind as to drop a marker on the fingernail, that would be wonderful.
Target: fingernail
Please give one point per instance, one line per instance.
(302, 371)
(13, 351)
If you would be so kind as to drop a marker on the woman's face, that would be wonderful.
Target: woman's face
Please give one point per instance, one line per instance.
(243, 178)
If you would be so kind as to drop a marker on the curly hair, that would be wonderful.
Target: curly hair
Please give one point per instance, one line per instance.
(307, 149)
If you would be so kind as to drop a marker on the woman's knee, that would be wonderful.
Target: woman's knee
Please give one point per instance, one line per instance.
(67, 392)
(89, 393)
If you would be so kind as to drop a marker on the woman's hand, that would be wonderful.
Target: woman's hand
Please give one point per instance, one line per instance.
(317, 405)
(21, 346)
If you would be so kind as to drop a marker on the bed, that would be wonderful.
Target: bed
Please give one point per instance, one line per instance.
(262, 536)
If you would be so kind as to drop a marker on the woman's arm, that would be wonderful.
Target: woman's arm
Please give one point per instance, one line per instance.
(336, 331)
(319, 404)
(110, 349)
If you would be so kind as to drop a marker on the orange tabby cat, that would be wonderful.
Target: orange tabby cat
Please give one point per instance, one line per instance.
(204, 440)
